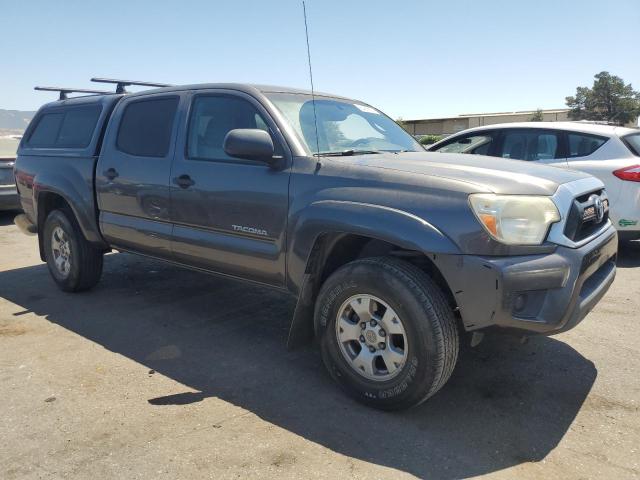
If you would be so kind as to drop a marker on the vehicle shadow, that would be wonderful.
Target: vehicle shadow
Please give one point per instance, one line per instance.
(629, 254)
(506, 403)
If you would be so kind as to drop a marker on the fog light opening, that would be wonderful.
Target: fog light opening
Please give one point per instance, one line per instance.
(520, 302)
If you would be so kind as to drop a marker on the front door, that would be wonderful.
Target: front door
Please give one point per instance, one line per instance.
(229, 214)
(133, 172)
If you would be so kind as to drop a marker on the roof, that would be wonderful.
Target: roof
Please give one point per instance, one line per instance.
(584, 127)
(84, 100)
(243, 87)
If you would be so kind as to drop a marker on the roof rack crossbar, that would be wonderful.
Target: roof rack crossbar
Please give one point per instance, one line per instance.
(121, 84)
(65, 91)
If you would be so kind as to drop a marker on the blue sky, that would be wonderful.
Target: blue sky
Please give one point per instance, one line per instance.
(412, 59)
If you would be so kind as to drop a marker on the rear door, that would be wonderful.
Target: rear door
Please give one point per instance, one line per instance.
(229, 214)
(600, 156)
(133, 174)
(533, 145)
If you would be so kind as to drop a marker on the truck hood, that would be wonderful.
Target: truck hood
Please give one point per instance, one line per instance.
(481, 173)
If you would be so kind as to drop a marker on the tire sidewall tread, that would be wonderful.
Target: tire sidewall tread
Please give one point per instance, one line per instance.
(86, 261)
(426, 315)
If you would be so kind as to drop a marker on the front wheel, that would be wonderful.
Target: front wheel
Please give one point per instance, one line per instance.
(73, 262)
(388, 335)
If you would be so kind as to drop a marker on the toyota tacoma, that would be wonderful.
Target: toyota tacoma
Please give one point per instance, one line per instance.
(394, 254)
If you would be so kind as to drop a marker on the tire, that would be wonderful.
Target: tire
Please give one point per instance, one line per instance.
(84, 266)
(430, 341)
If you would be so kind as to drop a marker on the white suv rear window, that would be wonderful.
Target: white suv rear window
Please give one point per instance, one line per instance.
(633, 142)
(583, 145)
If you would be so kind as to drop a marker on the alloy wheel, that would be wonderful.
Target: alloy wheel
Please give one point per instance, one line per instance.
(371, 337)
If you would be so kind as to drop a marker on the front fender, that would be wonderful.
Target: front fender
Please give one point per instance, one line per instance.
(388, 224)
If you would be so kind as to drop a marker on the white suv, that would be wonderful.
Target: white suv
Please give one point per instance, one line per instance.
(609, 153)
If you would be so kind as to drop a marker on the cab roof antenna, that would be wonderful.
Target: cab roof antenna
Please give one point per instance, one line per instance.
(313, 94)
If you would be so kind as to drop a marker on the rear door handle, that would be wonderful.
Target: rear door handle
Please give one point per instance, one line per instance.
(110, 173)
(184, 181)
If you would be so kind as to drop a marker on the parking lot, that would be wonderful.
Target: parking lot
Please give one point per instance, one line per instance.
(166, 373)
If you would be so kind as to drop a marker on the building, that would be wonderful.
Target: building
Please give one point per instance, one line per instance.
(450, 125)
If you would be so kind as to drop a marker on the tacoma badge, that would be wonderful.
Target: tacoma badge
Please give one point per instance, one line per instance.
(255, 231)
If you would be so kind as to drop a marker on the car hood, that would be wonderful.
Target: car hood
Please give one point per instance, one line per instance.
(481, 173)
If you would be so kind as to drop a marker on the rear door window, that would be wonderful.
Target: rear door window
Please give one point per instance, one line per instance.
(478, 144)
(530, 145)
(582, 144)
(146, 127)
(71, 127)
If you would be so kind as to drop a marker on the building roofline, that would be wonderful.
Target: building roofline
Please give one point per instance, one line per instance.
(494, 114)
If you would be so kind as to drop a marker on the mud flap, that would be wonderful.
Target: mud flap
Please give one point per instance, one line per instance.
(301, 331)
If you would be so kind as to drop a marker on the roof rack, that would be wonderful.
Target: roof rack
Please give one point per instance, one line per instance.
(121, 84)
(65, 91)
(596, 122)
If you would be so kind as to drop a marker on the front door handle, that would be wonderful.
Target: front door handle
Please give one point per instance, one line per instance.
(184, 181)
(110, 173)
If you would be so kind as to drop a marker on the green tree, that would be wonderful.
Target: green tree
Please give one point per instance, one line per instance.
(537, 116)
(334, 137)
(609, 100)
(403, 124)
(430, 139)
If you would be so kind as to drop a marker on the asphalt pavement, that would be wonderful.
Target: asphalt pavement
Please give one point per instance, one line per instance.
(161, 372)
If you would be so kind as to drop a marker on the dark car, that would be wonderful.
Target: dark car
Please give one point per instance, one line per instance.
(8, 193)
(393, 253)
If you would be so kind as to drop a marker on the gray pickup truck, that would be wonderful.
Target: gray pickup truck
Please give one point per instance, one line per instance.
(394, 254)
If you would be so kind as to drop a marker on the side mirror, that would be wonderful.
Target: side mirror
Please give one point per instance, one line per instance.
(249, 143)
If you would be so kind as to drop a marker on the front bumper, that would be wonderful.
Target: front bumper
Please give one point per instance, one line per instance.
(9, 198)
(537, 293)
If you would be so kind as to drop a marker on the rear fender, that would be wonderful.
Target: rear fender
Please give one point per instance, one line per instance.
(77, 193)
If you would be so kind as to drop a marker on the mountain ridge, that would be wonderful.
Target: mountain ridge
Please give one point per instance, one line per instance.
(15, 121)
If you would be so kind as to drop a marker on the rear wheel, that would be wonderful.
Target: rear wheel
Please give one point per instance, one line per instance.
(74, 263)
(388, 335)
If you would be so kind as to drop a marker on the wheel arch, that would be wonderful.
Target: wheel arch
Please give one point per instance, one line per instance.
(48, 199)
(378, 231)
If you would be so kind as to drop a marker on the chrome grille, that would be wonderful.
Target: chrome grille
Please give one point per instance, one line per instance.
(588, 213)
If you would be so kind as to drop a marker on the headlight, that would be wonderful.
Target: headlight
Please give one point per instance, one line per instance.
(515, 219)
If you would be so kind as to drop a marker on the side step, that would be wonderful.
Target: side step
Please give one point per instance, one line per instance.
(25, 225)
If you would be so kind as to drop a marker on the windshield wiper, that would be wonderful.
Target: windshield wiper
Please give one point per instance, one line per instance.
(346, 153)
(398, 151)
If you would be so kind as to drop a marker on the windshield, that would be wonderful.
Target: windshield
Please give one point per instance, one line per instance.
(343, 126)
(9, 145)
(633, 142)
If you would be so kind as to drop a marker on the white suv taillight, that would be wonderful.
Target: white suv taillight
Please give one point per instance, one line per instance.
(630, 174)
